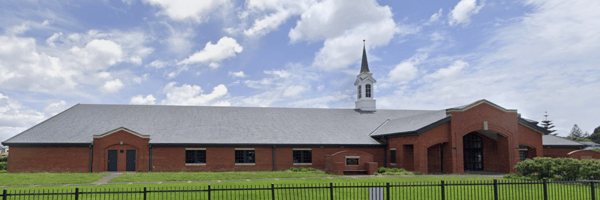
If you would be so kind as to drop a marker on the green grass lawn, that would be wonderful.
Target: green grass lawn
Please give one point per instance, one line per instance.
(7, 179)
(203, 176)
(428, 189)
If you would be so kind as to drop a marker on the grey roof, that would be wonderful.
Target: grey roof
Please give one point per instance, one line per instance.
(364, 65)
(586, 143)
(410, 123)
(224, 125)
(551, 140)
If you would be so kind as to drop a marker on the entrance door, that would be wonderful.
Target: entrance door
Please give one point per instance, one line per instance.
(112, 160)
(130, 160)
(473, 152)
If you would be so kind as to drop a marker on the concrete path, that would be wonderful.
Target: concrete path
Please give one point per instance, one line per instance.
(105, 180)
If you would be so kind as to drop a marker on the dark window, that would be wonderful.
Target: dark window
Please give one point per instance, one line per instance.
(244, 156)
(393, 156)
(523, 155)
(473, 152)
(302, 156)
(195, 156)
(352, 161)
(368, 90)
(359, 92)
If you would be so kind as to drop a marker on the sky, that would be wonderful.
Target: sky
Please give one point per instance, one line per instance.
(535, 56)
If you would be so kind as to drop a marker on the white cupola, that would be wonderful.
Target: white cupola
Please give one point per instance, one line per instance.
(365, 100)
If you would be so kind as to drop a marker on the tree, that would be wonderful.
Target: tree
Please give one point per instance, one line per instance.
(547, 124)
(576, 133)
(597, 130)
(595, 137)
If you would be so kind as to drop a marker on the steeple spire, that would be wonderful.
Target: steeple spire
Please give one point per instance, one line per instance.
(364, 66)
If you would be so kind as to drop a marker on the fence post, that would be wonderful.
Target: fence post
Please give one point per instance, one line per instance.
(273, 190)
(4, 195)
(145, 192)
(593, 189)
(331, 190)
(495, 189)
(387, 190)
(208, 191)
(545, 189)
(76, 193)
(443, 191)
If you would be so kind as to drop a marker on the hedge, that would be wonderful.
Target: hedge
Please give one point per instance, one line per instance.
(2, 165)
(557, 168)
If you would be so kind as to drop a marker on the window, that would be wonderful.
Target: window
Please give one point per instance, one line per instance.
(359, 92)
(352, 160)
(244, 156)
(368, 90)
(393, 156)
(523, 155)
(195, 156)
(302, 156)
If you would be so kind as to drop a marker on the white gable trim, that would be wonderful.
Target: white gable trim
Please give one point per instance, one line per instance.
(475, 104)
(121, 129)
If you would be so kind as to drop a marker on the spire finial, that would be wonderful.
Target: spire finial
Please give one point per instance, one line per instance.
(364, 66)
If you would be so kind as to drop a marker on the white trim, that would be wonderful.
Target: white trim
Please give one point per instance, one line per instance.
(244, 149)
(121, 129)
(302, 163)
(302, 149)
(392, 163)
(245, 164)
(195, 164)
(393, 149)
(195, 149)
(480, 102)
(352, 156)
(522, 149)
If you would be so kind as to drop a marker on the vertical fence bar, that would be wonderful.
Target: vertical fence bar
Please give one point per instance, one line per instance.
(208, 192)
(545, 189)
(331, 190)
(76, 193)
(4, 195)
(273, 191)
(593, 189)
(495, 189)
(443, 190)
(145, 192)
(387, 190)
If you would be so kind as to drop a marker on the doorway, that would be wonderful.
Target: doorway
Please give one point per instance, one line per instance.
(473, 152)
(130, 160)
(112, 160)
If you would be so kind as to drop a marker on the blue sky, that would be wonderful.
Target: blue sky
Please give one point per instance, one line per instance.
(529, 55)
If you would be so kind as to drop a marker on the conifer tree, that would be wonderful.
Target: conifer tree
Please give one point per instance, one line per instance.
(548, 125)
(576, 133)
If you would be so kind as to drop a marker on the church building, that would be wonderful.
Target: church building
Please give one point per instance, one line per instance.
(481, 136)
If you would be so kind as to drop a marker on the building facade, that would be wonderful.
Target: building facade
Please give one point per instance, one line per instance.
(481, 136)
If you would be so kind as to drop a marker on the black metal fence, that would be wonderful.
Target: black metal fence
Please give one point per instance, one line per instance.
(449, 190)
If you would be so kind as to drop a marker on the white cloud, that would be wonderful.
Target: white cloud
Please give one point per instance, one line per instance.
(406, 70)
(112, 86)
(186, 9)
(461, 14)
(51, 39)
(139, 99)
(334, 21)
(212, 54)
(193, 95)
(434, 18)
(239, 74)
(55, 108)
(272, 14)
(98, 54)
(294, 91)
(158, 64)
(453, 71)
(13, 114)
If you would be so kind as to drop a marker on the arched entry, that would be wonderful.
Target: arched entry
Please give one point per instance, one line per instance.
(473, 152)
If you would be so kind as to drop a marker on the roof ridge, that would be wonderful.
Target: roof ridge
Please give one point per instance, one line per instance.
(84, 104)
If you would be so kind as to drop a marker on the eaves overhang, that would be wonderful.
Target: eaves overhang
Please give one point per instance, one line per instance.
(533, 126)
(121, 129)
(262, 145)
(415, 132)
(19, 144)
(474, 104)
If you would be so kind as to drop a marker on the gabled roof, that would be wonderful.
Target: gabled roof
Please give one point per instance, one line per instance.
(219, 125)
(410, 125)
(551, 140)
(533, 125)
(467, 107)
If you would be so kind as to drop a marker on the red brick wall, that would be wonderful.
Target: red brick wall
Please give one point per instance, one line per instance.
(584, 154)
(532, 139)
(490, 153)
(434, 162)
(555, 152)
(113, 142)
(49, 159)
(223, 158)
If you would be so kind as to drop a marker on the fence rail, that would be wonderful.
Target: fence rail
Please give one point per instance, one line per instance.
(442, 190)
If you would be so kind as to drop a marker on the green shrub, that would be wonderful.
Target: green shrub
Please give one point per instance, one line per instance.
(310, 169)
(293, 169)
(568, 168)
(383, 169)
(2, 165)
(3, 158)
(544, 167)
(526, 167)
(302, 169)
(590, 168)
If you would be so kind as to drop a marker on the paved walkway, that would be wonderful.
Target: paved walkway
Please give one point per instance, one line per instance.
(106, 179)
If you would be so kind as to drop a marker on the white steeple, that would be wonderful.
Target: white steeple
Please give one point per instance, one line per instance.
(364, 86)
